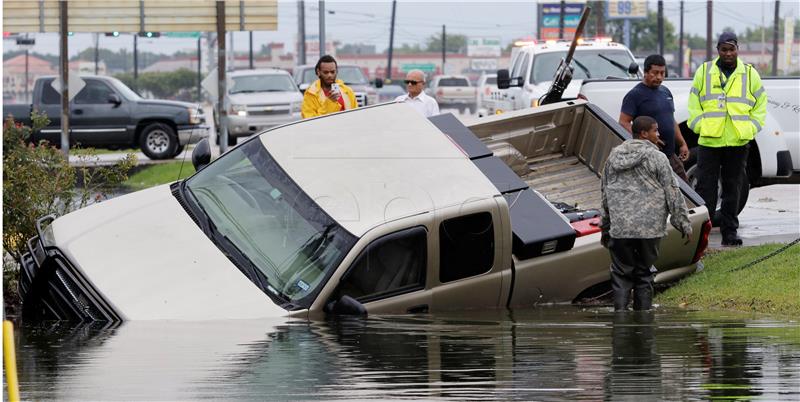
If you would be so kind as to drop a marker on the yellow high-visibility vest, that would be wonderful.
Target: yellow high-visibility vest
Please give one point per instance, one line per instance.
(728, 115)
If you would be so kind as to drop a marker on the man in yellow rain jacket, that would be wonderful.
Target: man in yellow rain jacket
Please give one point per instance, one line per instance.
(327, 94)
(727, 107)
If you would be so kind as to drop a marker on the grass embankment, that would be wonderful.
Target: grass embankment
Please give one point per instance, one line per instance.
(159, 174)
(771, 286)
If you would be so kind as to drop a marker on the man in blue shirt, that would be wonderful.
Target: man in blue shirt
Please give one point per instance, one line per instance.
(650, 98)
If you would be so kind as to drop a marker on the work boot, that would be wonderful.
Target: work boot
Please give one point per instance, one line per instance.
(731, 240)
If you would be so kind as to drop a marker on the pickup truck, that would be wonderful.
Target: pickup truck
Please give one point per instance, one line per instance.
(411, 215)
(453, 91)
(774, 153)
(108, 114)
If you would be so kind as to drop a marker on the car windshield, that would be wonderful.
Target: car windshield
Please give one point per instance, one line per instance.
(586, 63)
(262, 83)
(491, 81)
(453, 82)
(277, 236)
(348, 74)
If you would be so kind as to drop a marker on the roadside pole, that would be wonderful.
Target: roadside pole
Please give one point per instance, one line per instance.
(64, 75)
(709, 28)
(775, 38)
(321, 28)
(221, 90)
(301, 33)
(391, 42)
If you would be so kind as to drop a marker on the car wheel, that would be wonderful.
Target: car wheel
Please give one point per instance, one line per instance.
(178, 150)
(231, 140)
(158, 141)
(744, 190)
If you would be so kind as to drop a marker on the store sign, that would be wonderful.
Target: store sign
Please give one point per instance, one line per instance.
(484, 47)
(631, 9)
(551, 19)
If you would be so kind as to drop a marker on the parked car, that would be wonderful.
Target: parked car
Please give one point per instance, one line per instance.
(351, 75)
(487, 83)
(107, 114)
(258, 100)
(406, 215)
(453, 91)
(391, 91)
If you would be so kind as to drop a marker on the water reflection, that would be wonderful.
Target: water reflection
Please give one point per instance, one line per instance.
(543, 354)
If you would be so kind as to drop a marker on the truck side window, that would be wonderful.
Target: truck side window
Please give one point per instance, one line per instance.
(94, 93)
(49, 94)
(391, 265)
(466, 246)
(523, 70)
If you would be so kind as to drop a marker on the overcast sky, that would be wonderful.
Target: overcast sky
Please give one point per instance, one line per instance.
(368, 22)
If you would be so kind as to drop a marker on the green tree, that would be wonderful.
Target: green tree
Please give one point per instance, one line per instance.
(162, 84)
(644, 33)
(754, 34)
(456, 43)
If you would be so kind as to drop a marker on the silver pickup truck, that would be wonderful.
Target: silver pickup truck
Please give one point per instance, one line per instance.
(411, 215)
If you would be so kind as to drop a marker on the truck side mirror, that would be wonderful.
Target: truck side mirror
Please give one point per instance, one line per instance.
(633, 69)
(114, 98)
(503, 81)
(346, 305)
(201, 155)
(378, 83)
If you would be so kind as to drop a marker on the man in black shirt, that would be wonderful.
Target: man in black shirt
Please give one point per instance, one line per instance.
(650, 98)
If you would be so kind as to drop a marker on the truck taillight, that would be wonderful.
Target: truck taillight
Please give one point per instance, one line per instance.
(703, 244)
(439, 92)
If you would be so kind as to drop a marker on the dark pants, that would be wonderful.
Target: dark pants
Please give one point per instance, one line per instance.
(729, 164)
(632, 269)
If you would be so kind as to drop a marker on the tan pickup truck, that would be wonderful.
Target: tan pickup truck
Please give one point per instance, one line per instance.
(411, 215)
(453, 92)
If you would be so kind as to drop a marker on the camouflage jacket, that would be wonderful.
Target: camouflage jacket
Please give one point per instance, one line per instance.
(639, 190)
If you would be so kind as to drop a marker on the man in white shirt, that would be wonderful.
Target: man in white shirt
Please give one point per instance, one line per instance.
(416, 97)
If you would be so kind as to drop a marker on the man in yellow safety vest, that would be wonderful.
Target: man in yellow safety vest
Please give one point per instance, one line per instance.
(727, 107)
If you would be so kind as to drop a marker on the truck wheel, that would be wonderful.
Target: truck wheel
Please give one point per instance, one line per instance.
(158, 141)
(178, 150)
(744, 191)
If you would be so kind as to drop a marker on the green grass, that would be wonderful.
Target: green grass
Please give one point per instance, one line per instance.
(102, 151)
(159, 174)
(771, 286)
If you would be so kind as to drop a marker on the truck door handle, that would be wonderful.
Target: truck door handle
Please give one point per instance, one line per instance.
(78, 111)
(419, 309)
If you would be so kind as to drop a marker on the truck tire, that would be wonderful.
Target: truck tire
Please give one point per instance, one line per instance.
(744, 191)
(158, 141)
(178, 150)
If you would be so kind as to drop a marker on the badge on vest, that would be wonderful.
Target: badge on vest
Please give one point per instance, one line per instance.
(721, 102)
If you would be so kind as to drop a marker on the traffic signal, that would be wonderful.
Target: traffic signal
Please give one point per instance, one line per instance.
(150, 34)
(114, 34)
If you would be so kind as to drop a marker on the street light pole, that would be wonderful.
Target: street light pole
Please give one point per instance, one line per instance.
(321, 28)
(64, 73)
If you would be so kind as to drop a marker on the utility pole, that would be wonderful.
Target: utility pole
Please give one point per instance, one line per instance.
(391, 41)
(709, 28)
(301, 33)
(199, 68)
(64, 62)
(251, 50)
(601, 20)
(775, 38)
(27, 83)
(135, 62)
(444, 47)
(221, 90)
(661, 27)
(561, 20)
(96, 52)
(680, 45)
(321, 28)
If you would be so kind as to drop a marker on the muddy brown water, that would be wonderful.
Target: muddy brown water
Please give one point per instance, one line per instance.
(547, 353)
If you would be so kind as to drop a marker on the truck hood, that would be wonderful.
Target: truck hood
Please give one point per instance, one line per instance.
(158, 102)
(146, 243)
(262, 98)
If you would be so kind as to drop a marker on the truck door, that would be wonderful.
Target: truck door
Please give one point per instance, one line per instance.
(389, 275)
(48, 101)
(95, 116)
(470, 259)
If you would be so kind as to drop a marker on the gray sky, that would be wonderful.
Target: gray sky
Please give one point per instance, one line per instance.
(368, 22)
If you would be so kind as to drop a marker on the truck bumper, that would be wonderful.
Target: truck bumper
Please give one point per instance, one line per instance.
(243, 126)
(192, 134)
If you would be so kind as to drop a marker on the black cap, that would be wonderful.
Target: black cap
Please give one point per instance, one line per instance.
(728, 38)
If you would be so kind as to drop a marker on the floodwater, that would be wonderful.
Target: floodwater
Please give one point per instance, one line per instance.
(547, 353)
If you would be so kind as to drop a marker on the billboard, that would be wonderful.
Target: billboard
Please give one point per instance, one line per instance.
(551, 17)
(631, 9)
(483, 47)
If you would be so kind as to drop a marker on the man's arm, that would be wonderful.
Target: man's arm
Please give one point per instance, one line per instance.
(759, 112)
(695, 110)
(626, 120)
(676, 204)
(683, 151)
(605, 220)
(310, 106)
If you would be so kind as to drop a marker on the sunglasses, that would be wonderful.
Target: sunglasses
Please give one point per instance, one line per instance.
(412, 82)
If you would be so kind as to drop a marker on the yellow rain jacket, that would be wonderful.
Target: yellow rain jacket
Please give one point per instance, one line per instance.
(730, 115)
(315, 103)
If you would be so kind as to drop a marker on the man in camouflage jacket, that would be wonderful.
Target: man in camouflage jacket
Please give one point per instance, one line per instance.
(639, 190)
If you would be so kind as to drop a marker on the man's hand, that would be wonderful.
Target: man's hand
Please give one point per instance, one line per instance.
(604, 239)
(683, 152)
(334, 96)
(688, 238)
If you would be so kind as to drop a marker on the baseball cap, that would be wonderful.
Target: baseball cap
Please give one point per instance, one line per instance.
(728, 38)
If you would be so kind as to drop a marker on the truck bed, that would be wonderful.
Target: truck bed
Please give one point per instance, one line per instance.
(564, 179)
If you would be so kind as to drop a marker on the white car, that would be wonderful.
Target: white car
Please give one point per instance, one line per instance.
(258, 100)
(487, 84)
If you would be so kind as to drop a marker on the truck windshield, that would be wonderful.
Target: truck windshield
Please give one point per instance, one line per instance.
(262, 83)
(127, 93)
(588, 63)
(348, 74)
(277, 236)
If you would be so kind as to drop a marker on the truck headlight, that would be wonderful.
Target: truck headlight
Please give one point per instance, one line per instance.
(240, 110)
(195, 115)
